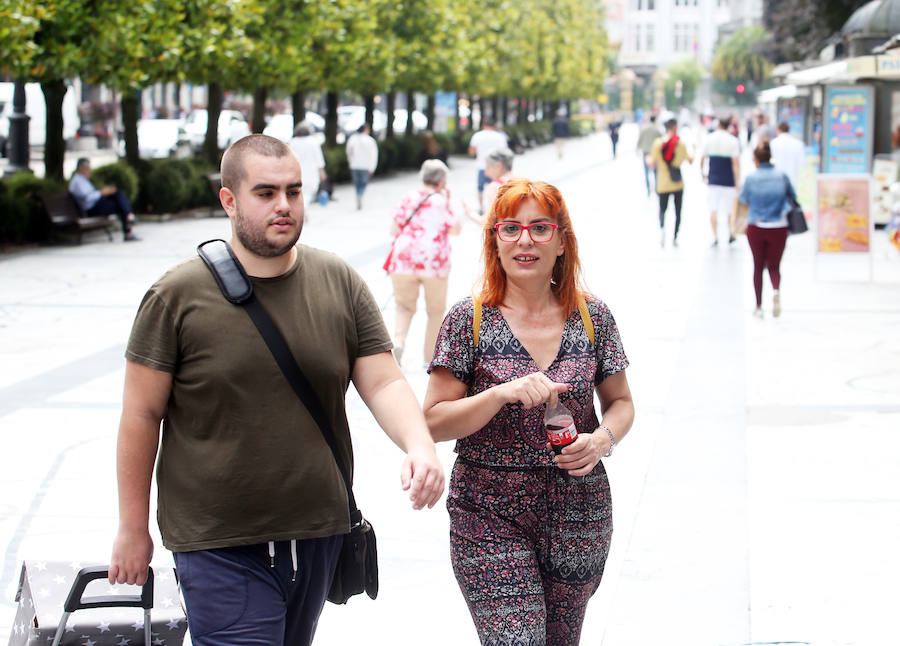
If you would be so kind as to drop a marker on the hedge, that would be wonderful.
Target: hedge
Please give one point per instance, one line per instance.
(23, 216)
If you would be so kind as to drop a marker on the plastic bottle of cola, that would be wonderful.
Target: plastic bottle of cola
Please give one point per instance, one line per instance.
(561, 431)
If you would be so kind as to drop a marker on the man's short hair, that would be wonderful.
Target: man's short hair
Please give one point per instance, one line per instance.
(487, 122)
(433, 171)
(302, 129)
(363, 127)
(724, 122)
(502, 156)
(784, 126)
(652, 118)
(671, 124)
(81, 163)
(233, 167)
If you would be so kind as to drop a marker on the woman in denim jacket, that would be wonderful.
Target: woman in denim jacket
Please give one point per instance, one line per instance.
(766, 191)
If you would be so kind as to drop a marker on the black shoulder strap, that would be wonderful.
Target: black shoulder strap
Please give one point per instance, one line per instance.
(227, 269)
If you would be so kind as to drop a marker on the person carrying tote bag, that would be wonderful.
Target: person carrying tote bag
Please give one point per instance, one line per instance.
(420, 254)
(769, 196)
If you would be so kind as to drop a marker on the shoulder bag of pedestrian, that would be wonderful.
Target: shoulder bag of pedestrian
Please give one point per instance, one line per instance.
(668, 155)
(357, 568)
(795, 217)
(387, 261)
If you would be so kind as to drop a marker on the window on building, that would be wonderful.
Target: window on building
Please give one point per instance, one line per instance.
(651, 5)
(637, 38)
(651, 38)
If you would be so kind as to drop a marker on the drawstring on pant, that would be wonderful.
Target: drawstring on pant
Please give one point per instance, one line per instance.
(293, 557)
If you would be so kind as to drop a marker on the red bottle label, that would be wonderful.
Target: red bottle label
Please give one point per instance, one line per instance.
(561, 431)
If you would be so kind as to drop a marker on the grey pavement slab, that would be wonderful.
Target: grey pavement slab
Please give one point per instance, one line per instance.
(755, 500)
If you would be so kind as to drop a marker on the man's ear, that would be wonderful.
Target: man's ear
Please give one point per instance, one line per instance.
(226, 197)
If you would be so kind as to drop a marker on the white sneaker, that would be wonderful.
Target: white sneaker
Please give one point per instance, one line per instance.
(776, 305)
(758, 313)
(662, 238)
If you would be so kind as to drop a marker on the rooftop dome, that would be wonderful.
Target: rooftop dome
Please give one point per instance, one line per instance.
(876, 17)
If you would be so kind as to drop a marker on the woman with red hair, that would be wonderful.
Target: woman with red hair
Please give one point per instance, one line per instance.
(528, 542)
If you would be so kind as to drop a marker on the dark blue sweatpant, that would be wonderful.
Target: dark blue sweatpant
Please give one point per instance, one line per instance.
(117, 204)
(235, 597)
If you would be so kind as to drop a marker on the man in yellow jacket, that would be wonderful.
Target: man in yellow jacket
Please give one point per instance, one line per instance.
(666, 156)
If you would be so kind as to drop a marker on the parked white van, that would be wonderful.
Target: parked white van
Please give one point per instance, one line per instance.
(36, 108)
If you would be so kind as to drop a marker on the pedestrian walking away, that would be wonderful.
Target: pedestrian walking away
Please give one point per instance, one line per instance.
(362, 158)
(250, 498)
(649, 133)
(480, 146)
(721, 164)
(530, 528)
(108, 200)
(613, 126)
(420, 256)
(667, 156)
(788, 153)
(767, 192)
(308, 151)
(561, 131)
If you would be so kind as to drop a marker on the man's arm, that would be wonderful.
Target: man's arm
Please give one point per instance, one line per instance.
(387, 394)
(736, 169)
(143, 406)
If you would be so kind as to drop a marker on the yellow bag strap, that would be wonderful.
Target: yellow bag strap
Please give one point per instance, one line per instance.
(586, 318)
(582, 310)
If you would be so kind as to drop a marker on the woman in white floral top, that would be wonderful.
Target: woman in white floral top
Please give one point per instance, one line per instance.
(421, 225)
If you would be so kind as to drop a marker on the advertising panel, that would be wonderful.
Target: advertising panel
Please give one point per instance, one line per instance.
(848, 131)
(843, 219)
(794, 111)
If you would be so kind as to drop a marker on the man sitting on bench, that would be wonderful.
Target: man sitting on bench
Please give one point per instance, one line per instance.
(105, 201)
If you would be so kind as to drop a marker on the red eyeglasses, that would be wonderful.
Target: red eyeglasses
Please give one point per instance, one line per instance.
(510, 231)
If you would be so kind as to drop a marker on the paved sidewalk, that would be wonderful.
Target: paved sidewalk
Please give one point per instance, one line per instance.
(755, 500)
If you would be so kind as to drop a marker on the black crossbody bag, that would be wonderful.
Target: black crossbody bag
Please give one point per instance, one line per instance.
(357, 569)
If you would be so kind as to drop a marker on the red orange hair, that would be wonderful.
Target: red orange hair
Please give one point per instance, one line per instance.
(566, 282)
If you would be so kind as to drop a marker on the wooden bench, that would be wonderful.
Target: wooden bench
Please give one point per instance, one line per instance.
(65, 214)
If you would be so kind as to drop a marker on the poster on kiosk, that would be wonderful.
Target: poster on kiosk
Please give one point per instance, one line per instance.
(843, 218)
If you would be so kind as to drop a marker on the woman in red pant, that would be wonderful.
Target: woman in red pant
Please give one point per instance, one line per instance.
(766, 191)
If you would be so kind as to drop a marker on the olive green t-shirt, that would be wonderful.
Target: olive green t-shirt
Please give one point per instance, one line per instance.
(241, 460)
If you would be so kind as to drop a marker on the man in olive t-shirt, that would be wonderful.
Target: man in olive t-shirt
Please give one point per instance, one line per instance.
(251, 501)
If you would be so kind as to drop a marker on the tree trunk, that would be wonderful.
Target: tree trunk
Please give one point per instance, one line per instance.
(429, 111)
(215, 96)
(130, 109)
(331, 124)
(410, 106)
(369, 102)
(504, 110)
(298, 106)
(391, 106)
(522, 111)
(54, 145)
(258, 120)
(495, 109)
(482, 105)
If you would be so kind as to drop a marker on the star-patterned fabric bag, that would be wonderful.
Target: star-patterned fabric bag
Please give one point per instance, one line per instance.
(43, 590)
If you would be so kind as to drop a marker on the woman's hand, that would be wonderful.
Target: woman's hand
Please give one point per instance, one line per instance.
(531, 390)
(581, 456)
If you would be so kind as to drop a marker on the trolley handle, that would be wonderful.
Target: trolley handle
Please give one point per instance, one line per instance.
(75, 601)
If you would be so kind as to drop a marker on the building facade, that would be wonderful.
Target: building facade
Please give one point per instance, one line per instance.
(659, 32)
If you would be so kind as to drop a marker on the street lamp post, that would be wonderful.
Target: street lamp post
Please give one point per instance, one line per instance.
(17, 146)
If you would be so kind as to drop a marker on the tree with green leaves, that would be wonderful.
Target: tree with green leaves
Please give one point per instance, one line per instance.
(689, 74)
(52, 51)
(741, 59)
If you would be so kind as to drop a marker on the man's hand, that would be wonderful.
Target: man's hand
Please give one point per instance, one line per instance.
(131, 555)
(109, 189)
(423, 476)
